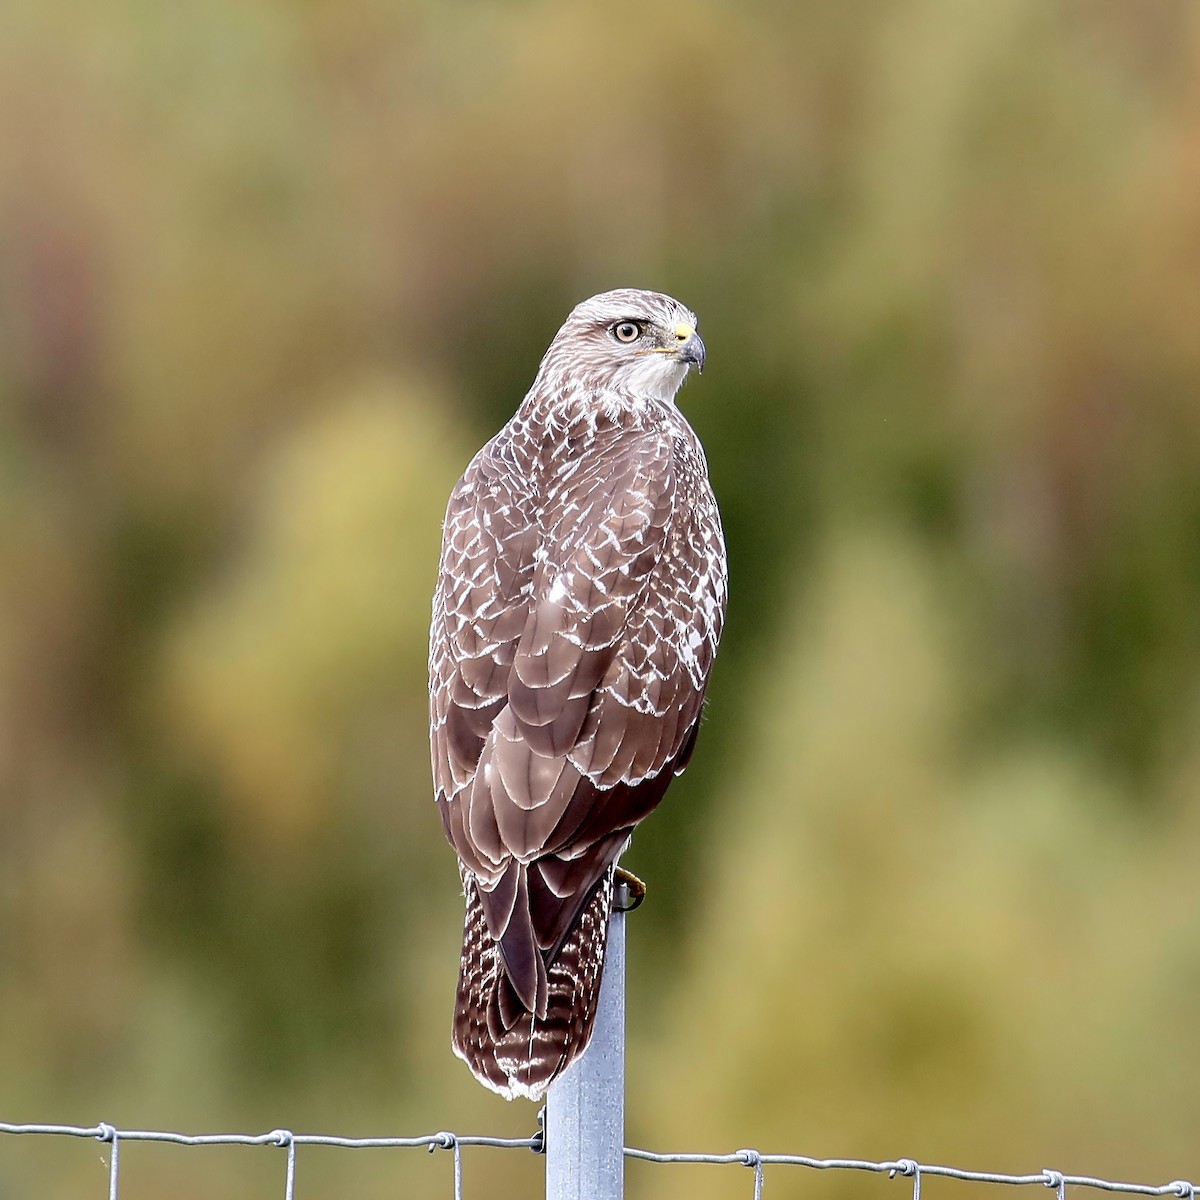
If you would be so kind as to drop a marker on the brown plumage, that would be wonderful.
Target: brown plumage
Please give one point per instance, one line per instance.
(578, 609)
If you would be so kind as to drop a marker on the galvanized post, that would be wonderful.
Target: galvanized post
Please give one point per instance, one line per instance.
(585, 1109)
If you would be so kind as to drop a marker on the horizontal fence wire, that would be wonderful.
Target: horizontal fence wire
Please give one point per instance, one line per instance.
(756, 1160)
(282, 1138)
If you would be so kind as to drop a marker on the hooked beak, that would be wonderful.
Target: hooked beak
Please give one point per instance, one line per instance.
(692, 351)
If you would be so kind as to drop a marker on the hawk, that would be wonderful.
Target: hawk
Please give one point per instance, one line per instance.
(579, 603)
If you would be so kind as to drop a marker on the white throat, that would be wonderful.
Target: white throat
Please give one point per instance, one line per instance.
(655, 375)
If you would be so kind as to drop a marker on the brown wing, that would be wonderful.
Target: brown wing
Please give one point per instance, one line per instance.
(563, 690)
(480, 607)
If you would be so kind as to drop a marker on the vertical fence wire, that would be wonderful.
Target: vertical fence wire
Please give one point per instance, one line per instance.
(108, 1133)
(752, 1158)
(287, 1139)
(452, 1142)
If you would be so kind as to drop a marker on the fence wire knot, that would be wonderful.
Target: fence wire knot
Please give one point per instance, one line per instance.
(282, 1137)
(1184, 1189)
(106, 1132)
(537, 1143)
(443, 1141)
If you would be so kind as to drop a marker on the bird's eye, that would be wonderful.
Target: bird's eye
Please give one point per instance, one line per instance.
(626, 331)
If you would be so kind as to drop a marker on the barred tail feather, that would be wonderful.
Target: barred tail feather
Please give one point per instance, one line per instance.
(508, 1048)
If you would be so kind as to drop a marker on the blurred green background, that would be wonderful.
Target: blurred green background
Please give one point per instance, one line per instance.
(271, 272)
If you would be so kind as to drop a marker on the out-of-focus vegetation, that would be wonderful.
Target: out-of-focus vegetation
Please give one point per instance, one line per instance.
(270, 273)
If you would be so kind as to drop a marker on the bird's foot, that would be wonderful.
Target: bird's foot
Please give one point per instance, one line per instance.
(631, 891)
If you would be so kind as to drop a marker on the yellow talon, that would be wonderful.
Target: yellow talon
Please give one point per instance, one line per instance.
(631, 891)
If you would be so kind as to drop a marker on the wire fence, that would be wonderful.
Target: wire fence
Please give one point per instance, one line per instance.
(454, 1143)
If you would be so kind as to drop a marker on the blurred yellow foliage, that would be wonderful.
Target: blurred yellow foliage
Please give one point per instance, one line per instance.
(323, 618)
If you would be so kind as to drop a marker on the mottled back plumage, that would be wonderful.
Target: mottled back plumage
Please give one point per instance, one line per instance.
(578, 609)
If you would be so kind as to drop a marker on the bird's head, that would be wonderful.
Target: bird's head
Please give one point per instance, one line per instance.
(627, 340)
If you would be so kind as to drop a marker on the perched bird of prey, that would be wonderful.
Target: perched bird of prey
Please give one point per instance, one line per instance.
(578, 607)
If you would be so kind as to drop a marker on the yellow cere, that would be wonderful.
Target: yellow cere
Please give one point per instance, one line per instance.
(683, 331)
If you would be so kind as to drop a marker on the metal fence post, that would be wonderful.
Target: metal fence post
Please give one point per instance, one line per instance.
(585, 1109)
